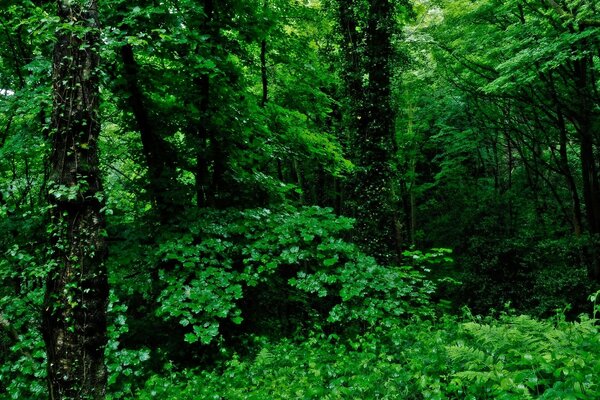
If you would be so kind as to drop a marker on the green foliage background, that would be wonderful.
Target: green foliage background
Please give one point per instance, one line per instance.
(245, 249)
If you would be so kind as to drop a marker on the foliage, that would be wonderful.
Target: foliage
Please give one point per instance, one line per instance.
(316, 369)
(23, 369)
(514, 357)
(22, 269)
(537, 276)
(520, 358)
(289, 258)
(126, 367)
(273, 173)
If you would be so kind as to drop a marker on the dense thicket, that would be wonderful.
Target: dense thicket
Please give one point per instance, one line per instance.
(275, 188)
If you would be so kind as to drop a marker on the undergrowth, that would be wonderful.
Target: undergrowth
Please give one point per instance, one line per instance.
(509, 357)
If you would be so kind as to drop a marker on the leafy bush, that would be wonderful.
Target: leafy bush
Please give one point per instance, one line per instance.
(126, 367)
(537, 276)
(315, 369)
(270, 267)
(513, 357)
(22, 352)
(520, 358)
(22, 271)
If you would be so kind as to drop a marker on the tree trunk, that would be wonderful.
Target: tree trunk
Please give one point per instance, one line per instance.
(564, 165)
(159, 160)
(585, 114)
(203, 182)
(372, 191)
(74, 313)
(263, 73)
(563, 160)
(587, 122)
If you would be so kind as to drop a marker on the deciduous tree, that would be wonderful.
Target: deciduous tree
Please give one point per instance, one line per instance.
(74, 313)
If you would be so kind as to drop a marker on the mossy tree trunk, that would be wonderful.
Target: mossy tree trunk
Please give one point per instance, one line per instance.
(74, 314)
(368, 80)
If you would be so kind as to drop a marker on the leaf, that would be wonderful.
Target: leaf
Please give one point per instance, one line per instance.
(328, 262)
(191, 338)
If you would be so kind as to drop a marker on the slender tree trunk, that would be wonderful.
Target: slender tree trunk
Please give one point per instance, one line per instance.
(158, 158)
(585, 115)
(350, 43)
(202, 153)
(320, 196)
(337, 196)
(263, 69)
(496, 164)
(265, 82)
(564, 165)
(297, 173)
(411, 212)
(217, 183)
(203, 182)
(510, 167)
(563, 160)
(74, 313)
(587, 122)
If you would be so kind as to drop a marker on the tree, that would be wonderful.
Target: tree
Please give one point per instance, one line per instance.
(499, 107)
(74, 313)
(542, 83)
(368, 29)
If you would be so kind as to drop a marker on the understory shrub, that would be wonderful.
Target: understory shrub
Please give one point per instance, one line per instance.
(512, 357)
(275, 272)
(536, 275)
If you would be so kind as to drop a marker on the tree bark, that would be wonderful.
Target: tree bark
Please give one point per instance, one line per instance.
(374, 141)
(585, 117)
(263, 73)
(204, 197)
(161, 170)
(572, 185)
(587, 123)
(74, 313)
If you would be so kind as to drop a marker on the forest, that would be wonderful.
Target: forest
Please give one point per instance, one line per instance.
(299, 199)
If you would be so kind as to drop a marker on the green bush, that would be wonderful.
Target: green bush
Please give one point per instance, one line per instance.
(513, 357)
(537, 276)
(276, 269)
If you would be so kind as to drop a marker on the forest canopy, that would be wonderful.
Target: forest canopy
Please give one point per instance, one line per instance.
(312, 199)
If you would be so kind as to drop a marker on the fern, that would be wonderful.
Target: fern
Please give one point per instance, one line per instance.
(527, 358)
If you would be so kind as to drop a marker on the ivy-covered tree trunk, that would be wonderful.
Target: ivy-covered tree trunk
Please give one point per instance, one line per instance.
(374, 124)
(74, 313)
